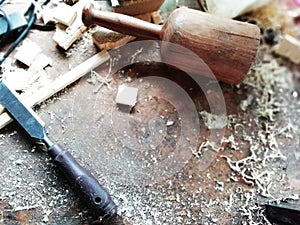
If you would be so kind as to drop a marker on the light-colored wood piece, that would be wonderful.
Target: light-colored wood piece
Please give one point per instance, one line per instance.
(289, 47)
(126, 96)
(114, 3)
(138, 7)
(65, 14)
(28, 52)
(107, 39)
(65, 36)
(48, 15)
(60, 83)
(156, 18)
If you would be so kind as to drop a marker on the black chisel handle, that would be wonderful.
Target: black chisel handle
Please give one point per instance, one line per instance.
(86, 185)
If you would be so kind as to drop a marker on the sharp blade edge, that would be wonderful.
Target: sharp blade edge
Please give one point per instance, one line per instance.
(26, 117)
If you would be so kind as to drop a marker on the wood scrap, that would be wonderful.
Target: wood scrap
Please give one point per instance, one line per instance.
(156, 18)
(107, 39)
(28, 52)
(47, 15)
(65, 14)
(65, 36)
(59, 84)
(114, 3)
(126, 97)
(289, 47)
(138, 7)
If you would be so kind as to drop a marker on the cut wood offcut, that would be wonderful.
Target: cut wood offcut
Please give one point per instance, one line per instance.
(126, 97)
(70, 27)
(289, 47)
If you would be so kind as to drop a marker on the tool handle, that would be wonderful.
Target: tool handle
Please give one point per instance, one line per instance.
(87, 186)
(121, 23)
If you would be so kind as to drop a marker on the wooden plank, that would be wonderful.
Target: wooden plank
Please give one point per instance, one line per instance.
(60, 83)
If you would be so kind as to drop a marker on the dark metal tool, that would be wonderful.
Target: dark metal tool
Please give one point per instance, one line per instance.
(88, 188)
(285, 214)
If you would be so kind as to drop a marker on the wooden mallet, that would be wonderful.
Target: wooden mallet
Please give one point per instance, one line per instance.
(226, 46)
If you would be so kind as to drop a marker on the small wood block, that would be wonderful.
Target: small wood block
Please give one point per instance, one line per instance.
(65, 37)
(114, 3)
(156, 18)
(289, 47)
(27, 52)
(107, 39)
(126, 96)
(48, 15)
(65, 14)
(138, 7)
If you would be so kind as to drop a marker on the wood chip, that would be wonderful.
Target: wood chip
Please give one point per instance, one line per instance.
(65, 36)
(156, 18)
(65, 14)
(107, 39)
(126, 96)
(28, 52)
(289, 47)
(138, 7)
(114, 3)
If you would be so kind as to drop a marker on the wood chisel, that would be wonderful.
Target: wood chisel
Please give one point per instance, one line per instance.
(227, 47)
(84, 183)
(285, 214)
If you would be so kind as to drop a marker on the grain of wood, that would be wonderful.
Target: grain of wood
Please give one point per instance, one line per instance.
(59, 84)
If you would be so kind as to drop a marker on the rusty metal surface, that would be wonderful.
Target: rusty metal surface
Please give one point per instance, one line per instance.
(226, 182)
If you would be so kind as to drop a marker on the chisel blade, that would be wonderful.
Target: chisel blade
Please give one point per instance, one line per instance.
(25, 116)
(88, 187)
(287, 214)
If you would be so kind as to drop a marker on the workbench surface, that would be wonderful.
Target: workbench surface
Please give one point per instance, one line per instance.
(183, 155)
